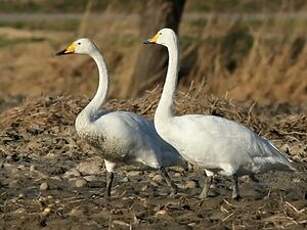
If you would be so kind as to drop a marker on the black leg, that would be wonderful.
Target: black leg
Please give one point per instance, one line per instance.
(110, 177)
(168, 180)
(206, 188)
(235, 188)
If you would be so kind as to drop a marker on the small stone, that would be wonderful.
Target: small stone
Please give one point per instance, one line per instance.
(51, 156)
(21, 167)
(144, 188)
(80, 183)
(154, 184)
(32, 168)
(157, 178)
(91, 167)
(58, 178)
(152, 174)
(177, 174)
(134, 173)
(20, 196)
(161, 212)
(46, 211)
(72, 173)
(190, 184)
(124, 179)
(90, 178)
(44, 186)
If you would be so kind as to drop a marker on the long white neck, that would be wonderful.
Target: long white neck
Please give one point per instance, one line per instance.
(165, 106)
(94, 106)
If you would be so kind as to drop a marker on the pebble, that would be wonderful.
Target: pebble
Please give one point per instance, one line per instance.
(72, 173)
(51, 156)
(90, 178)
(21, 195)
(152, 174)
(134, 173)
(190, 184)
(44, 186)
(90, 167)
(80, 183)
(154, 184)
(46, 211)
(157, 178)
(177, 174)
(161, 212)
(21, 167)
(144, 188)
(125, 179)
(58, 178)
(32, 168)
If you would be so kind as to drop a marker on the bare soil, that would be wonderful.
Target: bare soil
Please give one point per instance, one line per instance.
(50, 179)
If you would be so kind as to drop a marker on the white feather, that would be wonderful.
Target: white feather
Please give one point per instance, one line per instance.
(120, 137)
(214, 143)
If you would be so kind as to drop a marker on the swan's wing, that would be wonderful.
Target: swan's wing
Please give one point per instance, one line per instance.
(224, 141)
(140, 139)
(165, 153)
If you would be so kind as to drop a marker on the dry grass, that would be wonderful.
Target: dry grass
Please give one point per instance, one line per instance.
(259, 59)
(278, 122)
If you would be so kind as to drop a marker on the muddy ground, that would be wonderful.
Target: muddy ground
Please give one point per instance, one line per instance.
(50, 179)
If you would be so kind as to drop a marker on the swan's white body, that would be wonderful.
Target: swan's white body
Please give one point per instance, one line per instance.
(221, 146)
(126, 138)
(121, 137)
(216, 144)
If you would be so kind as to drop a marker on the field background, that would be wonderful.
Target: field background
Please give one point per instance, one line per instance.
(245, 60)
(245, 49)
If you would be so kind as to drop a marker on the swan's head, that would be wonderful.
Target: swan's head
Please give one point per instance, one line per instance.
(163, 37)
(80, 46)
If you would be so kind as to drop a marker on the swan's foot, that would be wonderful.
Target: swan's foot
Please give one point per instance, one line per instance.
(169, 182)
(109, 180)
(235, 188)
(205, 193)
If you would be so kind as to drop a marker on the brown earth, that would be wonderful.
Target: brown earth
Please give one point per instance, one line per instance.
(50, 179)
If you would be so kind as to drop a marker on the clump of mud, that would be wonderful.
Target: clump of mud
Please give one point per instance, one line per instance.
(50, 178)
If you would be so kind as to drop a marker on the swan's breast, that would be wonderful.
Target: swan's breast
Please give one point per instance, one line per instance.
(109, 148)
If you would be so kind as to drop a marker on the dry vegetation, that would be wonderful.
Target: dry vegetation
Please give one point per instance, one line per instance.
(260, 61)
(39, 145)
(259, 57)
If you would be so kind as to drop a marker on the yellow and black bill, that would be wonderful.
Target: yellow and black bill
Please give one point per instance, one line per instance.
(152, 40)
(69, 50)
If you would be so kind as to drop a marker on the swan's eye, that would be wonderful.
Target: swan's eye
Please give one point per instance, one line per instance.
(160, 33)
(79, 43)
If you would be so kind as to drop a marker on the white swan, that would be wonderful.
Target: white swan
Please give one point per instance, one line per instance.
(120, 137)
(216, 144)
